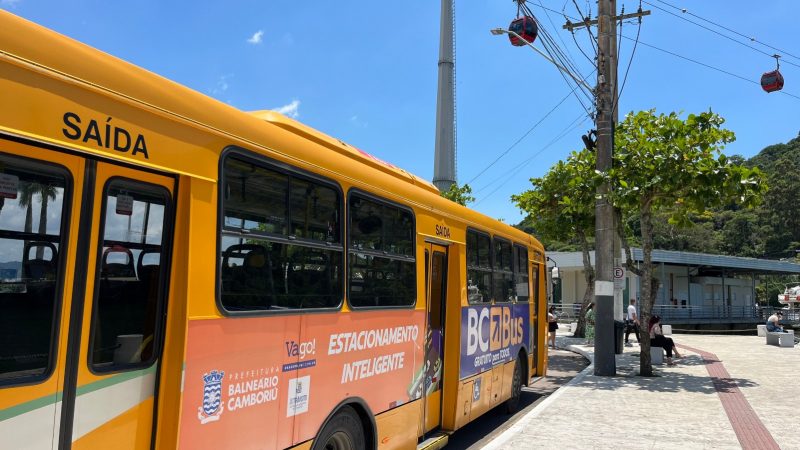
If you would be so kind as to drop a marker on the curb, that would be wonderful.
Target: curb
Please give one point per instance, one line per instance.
(523, 422)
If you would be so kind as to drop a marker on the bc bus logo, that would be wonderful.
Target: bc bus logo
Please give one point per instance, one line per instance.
(492, 335)
(212, 397)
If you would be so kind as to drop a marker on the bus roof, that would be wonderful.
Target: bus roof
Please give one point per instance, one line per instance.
(25, 43)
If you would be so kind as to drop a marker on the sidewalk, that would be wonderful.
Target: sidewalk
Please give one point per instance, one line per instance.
(728, 392)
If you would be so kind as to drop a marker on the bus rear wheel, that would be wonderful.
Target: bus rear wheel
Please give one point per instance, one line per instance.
(512, 404)
(342, 432)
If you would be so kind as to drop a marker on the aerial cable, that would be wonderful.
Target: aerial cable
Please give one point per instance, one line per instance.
(750, 38)
(717, 32)
(633, 52)
(519, 166)
(508, 177)
(556, 28)
(708, 66)
(530, 130)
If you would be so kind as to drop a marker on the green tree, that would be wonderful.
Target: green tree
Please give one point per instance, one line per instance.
(561, 206)
(663, 163)
(459, 194)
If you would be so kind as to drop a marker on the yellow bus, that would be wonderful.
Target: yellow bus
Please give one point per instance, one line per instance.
(176, 273)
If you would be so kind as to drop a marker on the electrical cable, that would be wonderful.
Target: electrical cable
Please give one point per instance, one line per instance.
(508, 177)
(709, 66)
(717, 33)
(521, 165)
(530, 130)
(556, 28)
(552, 49)
(751, 38)
(627, 69)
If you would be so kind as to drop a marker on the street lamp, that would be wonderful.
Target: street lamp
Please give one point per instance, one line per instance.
(499, 31)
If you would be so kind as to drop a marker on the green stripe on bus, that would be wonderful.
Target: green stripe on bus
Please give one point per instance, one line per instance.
(47, 400)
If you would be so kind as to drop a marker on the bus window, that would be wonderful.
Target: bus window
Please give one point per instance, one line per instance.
(479, 267)
(130, 275)
(521, 274)
(267, 265)
(382, 268)
(503, 274)
(32, 226)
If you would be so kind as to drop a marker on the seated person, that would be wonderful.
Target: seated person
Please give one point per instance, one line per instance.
(773, 323)
(657, 339)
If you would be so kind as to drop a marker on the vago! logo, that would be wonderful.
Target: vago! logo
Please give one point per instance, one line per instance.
(503, 330)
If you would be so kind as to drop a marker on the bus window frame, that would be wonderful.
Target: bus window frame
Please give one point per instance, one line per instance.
(348, 249)
(516, 248)
(497, 269)
(268, 163)
(167, 239)
(490, 269)
(63, 247)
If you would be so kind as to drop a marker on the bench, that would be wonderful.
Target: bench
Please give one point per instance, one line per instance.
(785, 339)
(762, 330)
(666, 330)
(656, 355)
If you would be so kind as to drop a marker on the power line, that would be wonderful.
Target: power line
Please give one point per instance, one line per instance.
(633, 52)
(751, 38)
(708, 66)
(716, 32)
(556, 54)
(580, 120)
(530, 130)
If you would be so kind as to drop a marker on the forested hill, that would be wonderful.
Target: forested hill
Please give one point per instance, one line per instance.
(772, 230)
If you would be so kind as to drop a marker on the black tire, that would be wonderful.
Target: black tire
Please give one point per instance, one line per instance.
(512, 404)
(342, 432)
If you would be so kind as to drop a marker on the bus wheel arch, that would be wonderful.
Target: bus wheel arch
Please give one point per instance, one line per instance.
(355, 408)
(518, 380)
(526, 375)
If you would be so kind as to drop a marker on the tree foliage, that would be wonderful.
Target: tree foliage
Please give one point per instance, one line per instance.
(459, 194)
(560, 207)
(673, 166)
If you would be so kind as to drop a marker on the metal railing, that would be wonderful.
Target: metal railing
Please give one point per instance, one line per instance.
(716, 313)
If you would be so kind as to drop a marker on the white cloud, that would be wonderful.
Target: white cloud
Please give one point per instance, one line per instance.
(222, 85)
(358, 122)
(256, 37)
(289, 110)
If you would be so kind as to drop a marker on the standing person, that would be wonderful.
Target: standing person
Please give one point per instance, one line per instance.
(552, 325)
(590, 324)
(657, 339)
(773, 323)
(632, 324)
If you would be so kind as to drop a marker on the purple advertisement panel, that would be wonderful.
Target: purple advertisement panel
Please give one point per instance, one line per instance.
(492, 335)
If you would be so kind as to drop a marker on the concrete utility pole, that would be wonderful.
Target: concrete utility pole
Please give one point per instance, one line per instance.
(604, 361)
(605, 235)
(444, 164)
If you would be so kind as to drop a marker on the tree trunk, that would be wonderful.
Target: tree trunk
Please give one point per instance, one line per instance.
(588, 273)
(649, 290)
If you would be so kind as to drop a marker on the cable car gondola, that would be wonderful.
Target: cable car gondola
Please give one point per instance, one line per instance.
(525, 27)
(772, 81)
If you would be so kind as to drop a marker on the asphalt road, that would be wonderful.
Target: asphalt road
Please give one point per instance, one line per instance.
(562, 367)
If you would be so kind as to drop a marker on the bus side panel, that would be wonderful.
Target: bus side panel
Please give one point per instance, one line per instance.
(243, 373)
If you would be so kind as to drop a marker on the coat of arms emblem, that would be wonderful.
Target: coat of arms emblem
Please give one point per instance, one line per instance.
(212, 397)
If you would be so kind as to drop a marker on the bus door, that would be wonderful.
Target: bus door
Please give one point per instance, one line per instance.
(37, 192)
(119, 301)
(436, 290)
(84, 251)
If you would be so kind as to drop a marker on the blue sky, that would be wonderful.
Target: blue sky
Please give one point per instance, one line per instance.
(366, 72)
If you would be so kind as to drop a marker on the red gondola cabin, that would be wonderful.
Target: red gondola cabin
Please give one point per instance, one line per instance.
(526, 28)
(772, 81)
